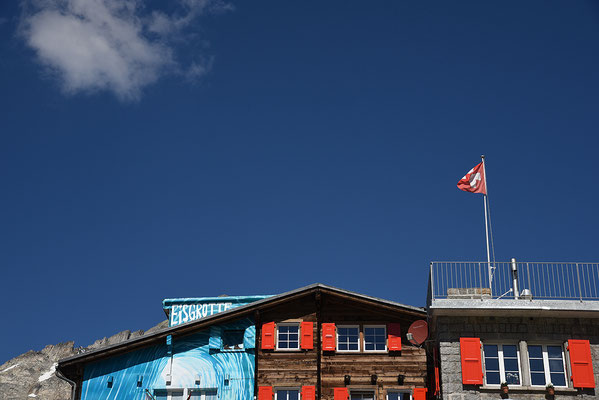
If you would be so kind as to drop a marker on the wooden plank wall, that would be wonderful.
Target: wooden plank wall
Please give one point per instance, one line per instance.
(299, 368)
(288, 368)
(411, 362)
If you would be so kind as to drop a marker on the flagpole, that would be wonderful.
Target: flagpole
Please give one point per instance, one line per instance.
(487, 224)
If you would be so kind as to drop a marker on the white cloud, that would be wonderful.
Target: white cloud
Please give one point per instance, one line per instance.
(114, 45)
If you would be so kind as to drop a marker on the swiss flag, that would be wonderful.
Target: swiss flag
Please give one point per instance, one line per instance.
(474, 181)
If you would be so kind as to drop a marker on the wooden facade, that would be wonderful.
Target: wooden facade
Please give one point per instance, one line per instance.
(331, 371)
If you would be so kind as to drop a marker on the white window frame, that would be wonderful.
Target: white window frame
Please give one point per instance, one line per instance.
(546, 363)
(186, 392)
(299, 392)
(501, 362)
(299, 336)
(384, 336)
(359, 338)
(408, 392)
(363, 391)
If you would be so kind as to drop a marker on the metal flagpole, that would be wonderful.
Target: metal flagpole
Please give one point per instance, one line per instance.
(487, 225)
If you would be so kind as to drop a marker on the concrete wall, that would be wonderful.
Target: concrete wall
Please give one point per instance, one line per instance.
(448, 331)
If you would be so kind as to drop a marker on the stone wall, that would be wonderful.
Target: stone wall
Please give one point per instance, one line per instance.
(510, 329)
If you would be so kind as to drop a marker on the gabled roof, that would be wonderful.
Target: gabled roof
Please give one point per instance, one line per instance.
(238, 312)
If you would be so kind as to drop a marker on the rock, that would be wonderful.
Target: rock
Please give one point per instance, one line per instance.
(31, 376)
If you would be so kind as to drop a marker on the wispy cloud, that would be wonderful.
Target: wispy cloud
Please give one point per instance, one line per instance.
(115, 45)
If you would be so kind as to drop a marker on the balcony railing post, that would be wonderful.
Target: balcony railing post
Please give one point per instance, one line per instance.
(579, 288)
(432, 283)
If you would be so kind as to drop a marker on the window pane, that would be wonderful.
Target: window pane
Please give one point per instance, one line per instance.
(512, 378)
(233, 339)
(558, 379)
(353, 346)
(509, 351)
(492, 364)
(342, 346)
(375, 338)
(535, 352)
(177, 395)
(537, 379)
(556, 366)
(282, 345)
(211, 395)
(490, 350)
(393, 396)
(511, 364)
(293, 395)
(554, 352)
(536, 365)
(160, 394)
(493, 378)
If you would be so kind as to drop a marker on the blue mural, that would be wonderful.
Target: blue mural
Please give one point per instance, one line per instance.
(216, 363)
(180, 311)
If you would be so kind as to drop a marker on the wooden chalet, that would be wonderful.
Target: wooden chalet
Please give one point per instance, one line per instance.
(332, 344)
(316, 342)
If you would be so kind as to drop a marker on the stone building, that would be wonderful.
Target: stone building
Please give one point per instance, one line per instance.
(532, 326)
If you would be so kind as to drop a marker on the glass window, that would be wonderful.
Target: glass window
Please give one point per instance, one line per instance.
(177, 395)
(287, 394)
(395, 395)
(375, 338)
(160, 394)
(348, 338)
(174, 394)
(501, 364)
(547, 365)
(209, 394)
(288, 336)
(233, 339)
(361, 395)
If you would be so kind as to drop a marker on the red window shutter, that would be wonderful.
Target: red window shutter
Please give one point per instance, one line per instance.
(264, 392)
(268, 336)
(308, 392)
(472, 366)
(419, 394)
(394, 337)
(340, 393)
(307, 329)
(581, 364)
(329, 338)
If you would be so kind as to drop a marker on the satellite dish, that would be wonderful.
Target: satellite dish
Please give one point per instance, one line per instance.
(418, 332)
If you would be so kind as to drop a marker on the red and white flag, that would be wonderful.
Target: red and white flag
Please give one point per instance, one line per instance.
(474, 180)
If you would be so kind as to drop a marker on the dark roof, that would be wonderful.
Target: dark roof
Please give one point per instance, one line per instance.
(221, 317)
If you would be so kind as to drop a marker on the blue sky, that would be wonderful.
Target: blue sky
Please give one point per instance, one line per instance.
(256, 147)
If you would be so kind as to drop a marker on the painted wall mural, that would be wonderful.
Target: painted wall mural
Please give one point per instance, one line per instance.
(216, 363)
(180, 311)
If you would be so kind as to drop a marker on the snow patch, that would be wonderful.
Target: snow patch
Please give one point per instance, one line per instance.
(32, 395)
(9, 368)
(48, 374)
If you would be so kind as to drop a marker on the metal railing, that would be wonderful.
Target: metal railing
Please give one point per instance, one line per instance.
(514, 280)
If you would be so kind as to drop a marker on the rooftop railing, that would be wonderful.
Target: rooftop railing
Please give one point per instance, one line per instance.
(514, 280)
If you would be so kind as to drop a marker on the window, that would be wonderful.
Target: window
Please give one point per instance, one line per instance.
(288, 337)
(287, 394)
(502, 364)
(361, 395)
(348, 338)
(397, 395)
(171, 394)
(178, 394)
(547, 365)
(375, 338)
(233, 339)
